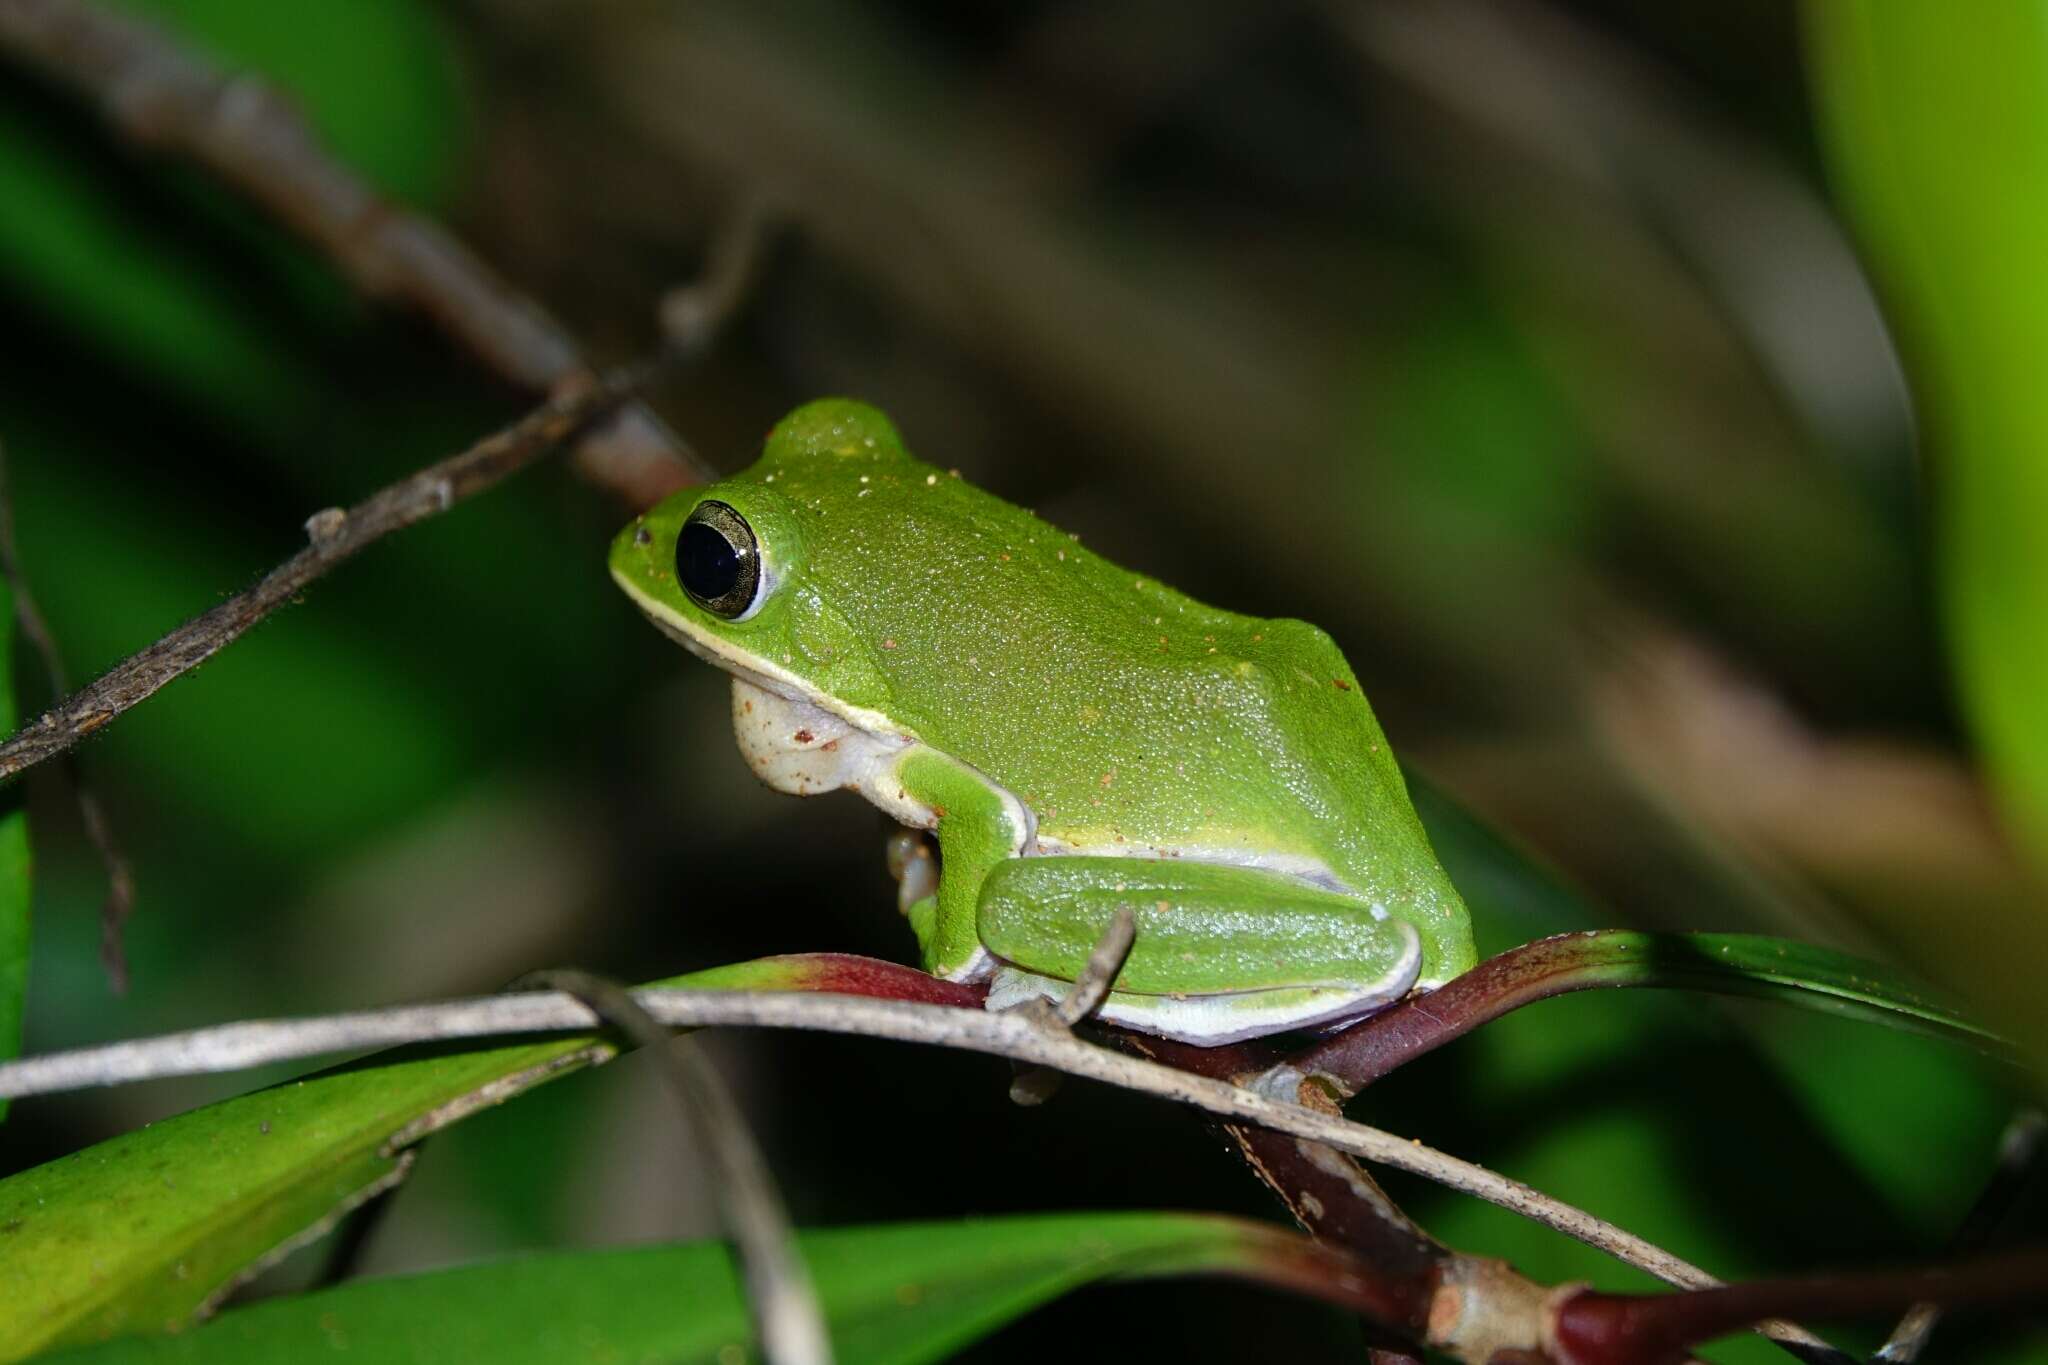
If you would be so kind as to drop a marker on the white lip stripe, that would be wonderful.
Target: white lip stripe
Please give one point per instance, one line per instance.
(768, 676)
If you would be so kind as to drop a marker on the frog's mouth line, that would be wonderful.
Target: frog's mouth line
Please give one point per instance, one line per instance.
(761, 672)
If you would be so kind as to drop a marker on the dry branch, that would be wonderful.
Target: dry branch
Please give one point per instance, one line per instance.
(336, 535)
(167, 97)
(1011, 1035)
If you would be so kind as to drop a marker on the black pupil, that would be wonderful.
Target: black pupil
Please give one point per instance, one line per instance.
(707, 561)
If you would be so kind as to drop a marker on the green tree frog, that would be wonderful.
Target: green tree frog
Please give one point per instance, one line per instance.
(1079, 737)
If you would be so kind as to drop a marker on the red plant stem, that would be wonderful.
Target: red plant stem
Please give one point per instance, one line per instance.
(1593, 1328)
(1330, 1195)
(1558, 965)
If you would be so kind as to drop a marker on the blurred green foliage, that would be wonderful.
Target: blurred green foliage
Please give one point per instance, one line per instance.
(1940, 132)
(14, 870)
(134, 1235)
(1516, 345)
(897, 1294)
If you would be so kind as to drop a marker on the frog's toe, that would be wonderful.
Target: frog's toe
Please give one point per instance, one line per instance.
(1231, 1016)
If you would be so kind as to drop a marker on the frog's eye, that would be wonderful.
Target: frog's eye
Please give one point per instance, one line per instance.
(718, 561)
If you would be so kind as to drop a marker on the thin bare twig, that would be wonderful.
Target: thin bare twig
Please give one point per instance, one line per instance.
(336, 536)
(788, 1322)
(1008, 1034)
(164, 96)
(692, 315)
(1091, 987)
(578, 402)
(120, 901)
(2019, 1161)
(1034, 1085)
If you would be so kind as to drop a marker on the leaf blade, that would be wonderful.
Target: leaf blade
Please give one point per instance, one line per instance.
(144, 1231)
(895, 1295)
(14, 866)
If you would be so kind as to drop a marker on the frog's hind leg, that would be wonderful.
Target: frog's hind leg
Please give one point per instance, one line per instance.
(1207, 1020)
(1222, 953)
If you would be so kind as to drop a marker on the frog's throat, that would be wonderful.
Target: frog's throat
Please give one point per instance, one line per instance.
(763, 673)
(800, 740)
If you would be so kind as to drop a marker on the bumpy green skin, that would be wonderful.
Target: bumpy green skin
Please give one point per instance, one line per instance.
(1126, 716)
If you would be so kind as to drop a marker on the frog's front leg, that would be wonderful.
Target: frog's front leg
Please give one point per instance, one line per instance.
(1221, 953)
(980, 828)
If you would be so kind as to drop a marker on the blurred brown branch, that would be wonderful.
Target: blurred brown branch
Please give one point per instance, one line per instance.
(692, 315)
(1901, 832)
(164, 96)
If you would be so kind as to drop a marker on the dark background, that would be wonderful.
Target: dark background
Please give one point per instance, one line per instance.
(1517, 345)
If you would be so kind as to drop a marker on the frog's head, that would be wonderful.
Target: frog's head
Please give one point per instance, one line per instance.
(727, 571)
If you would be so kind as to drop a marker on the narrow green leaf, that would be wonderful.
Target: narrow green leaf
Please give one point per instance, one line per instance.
(1513, 900)
(1806, 1081)
(14, 864)
(900, 1293)
(1813, 977)
(1739, 964)
(1722, 964)
(143, 1231)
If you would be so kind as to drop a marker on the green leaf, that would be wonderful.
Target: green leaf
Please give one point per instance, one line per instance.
(142, 1232)
(1638, 1103)
(138, 1233)
(1755, 965)
(1513, 899)
(14, 864)
(899, 1293)
(1937, 133)
(1798, 974)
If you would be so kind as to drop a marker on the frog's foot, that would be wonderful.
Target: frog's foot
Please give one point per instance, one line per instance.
(1226, 1017)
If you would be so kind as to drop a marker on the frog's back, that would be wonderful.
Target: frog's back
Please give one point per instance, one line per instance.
(1128, 717)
